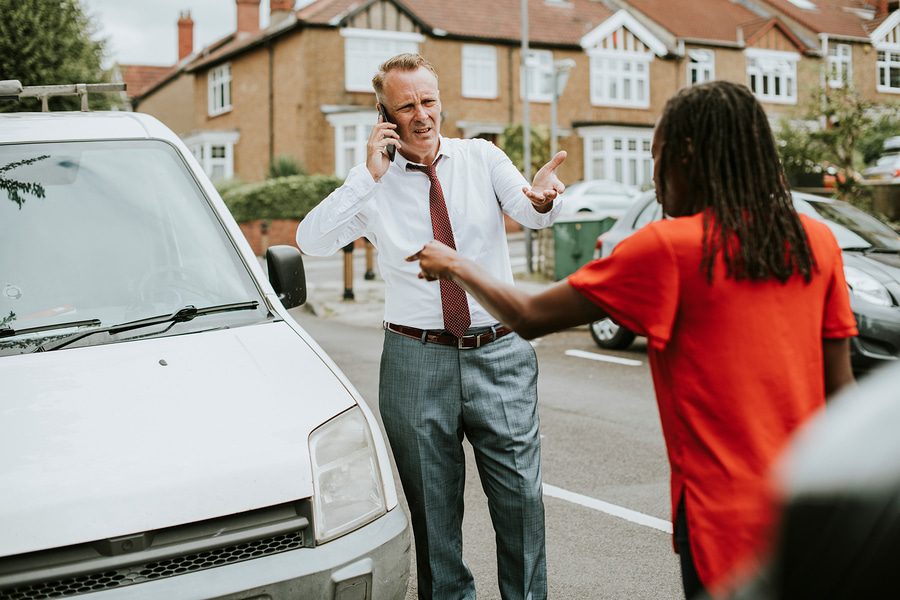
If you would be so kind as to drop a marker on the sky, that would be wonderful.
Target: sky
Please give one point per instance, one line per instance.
(146, 32)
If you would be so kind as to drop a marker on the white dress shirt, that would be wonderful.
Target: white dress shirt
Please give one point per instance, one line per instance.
(478, 180)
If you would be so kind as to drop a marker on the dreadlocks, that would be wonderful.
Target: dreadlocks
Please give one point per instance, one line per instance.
(736, 179)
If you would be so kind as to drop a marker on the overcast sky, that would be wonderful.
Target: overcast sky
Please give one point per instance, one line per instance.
(146, 31)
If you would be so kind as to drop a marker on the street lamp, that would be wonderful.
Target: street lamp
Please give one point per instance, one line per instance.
(561, 70)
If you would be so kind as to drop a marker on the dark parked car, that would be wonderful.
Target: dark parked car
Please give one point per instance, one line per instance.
(871, 255)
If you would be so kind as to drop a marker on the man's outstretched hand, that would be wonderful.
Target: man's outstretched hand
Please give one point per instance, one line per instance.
(546, 185)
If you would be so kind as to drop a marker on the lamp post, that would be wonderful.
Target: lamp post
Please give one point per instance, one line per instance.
(526, 122)
(561, 70)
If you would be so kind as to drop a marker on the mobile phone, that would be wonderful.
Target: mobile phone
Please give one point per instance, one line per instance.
(391, 149)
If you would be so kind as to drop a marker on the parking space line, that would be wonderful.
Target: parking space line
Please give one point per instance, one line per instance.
(604, 357)
(606, 507)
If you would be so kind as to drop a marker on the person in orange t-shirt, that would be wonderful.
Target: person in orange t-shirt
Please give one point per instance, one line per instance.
(744, 306)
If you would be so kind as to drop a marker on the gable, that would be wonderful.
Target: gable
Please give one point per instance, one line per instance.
(623, 33)
(774, 36)
(887, 35)
(382, 15)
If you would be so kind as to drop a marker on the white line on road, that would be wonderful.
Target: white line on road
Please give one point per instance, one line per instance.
(604, 358)
(606, 507)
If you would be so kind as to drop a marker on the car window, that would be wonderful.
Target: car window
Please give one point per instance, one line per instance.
(852, 227)
(650, 213)
(114, 231)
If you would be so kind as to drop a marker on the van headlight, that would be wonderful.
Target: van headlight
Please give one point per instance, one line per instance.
(866, 287)
(348, 491)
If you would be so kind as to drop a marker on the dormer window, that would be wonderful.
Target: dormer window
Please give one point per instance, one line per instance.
(621, 51)
(772, 75)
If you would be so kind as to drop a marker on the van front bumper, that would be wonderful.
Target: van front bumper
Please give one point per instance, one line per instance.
(371, 563)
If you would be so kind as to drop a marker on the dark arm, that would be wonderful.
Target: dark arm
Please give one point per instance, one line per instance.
(838, 374)
(557, 308)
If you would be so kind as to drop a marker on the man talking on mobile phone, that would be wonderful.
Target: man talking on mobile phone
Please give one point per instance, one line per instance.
(448, 369)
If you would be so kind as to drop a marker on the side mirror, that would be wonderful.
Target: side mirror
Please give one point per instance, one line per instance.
(286, 274)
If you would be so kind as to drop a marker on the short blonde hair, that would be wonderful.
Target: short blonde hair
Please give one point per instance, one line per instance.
(401, 62)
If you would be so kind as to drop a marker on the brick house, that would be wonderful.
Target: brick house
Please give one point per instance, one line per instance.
(301, 87)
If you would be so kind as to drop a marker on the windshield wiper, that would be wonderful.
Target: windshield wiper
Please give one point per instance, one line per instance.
(6, 332)
(871, 249)
(181, 315)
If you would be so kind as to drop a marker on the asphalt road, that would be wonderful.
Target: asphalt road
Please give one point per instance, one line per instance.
(601, 442)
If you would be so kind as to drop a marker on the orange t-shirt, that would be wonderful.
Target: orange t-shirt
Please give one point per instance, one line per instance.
(737, 366)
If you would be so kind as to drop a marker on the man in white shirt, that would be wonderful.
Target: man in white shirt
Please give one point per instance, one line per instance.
(448, 369)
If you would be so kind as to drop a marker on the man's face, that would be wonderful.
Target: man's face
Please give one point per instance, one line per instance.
(413, 102)
(674, 199)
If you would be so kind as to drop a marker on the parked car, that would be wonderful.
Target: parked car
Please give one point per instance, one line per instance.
(871, 256)
(167, 430)
(598, 198)
(887, 166)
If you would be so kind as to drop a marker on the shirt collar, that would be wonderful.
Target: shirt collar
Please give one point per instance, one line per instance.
(445, 149)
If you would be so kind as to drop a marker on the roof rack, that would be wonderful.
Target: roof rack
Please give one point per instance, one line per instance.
(12, 88)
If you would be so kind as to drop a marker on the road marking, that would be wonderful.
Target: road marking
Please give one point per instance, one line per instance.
(604, 357)
(606, 507)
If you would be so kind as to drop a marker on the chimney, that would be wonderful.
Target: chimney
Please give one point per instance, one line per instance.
(185, 34)
(280, 10)
(881, 9)
(247, 16)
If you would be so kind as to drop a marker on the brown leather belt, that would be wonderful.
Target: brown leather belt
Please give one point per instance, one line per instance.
(437, 336)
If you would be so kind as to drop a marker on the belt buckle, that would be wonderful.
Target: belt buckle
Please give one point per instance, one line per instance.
(477, 337)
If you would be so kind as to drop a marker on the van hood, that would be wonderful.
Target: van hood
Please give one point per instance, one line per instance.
(102, 441)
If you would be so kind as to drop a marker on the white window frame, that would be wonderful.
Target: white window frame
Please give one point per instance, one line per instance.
(362, 123)
(701, 66)
(759, 66)
(839, 64)
(219, 90)
(886, 60)
(540, 76)
(201, 146)
(366, 49)
(479, 71)
(618, 153)
(615, 74)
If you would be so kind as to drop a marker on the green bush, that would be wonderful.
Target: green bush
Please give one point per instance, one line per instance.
(285, 166)
(281, 198)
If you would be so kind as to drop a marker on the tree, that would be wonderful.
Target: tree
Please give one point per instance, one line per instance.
(839, 125)
(511, 140)
(47, 43)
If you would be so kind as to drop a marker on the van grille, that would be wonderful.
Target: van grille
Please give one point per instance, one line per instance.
(155, 570)
(140, 557)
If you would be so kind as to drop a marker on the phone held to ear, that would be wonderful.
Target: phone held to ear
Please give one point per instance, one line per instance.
(390, 148)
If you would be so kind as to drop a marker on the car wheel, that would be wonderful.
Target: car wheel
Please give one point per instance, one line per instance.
(610, 335)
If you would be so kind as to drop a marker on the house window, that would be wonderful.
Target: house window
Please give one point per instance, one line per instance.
(366, 49)
(479, 72)
(620, 79)
(351, 132)
(214, 150)
(540, 76)
(888, 71)
(838, 64)
(618, 153)
(219, 80)
(701, 66)
(773, 75)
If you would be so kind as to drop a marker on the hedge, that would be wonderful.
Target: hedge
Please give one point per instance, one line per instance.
(281, 198)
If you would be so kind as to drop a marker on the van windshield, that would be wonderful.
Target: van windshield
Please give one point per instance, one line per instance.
(108, 232)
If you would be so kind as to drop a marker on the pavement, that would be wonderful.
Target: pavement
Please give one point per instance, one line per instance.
(325, 287)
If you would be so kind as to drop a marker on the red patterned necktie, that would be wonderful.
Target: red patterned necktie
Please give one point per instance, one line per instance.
(453, 298)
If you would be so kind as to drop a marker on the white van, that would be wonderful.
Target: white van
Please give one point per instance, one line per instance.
(166, 429)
